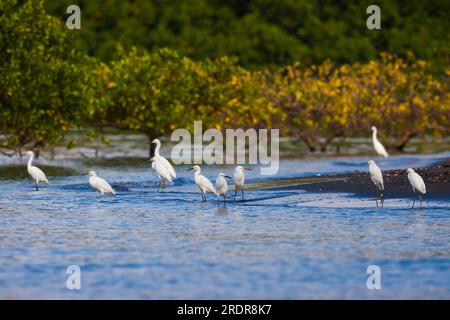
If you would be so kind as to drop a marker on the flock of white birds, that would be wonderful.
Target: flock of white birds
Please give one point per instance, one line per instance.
(166, 173)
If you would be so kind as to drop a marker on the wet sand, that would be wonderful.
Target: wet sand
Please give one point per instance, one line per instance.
(437, 180)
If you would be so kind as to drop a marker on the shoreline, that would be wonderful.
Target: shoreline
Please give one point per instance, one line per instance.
(396, 184)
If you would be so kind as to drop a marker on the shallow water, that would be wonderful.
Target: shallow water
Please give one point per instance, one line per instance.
(276, 244)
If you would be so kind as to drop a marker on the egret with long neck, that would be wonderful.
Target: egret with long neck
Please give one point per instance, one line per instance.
(379, 148)
(36, 174)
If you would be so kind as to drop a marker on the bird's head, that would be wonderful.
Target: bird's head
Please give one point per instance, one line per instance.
(373, 128)
(156, 141)
(29, 153)
(152, 159)
(92, 174)
(223, 175)
(370, 162)
(409, 170)
(195, 168)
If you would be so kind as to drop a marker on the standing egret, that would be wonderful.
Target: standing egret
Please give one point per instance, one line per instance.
(417, 183)
(202, 182)
(37, 174)
(239, 180)
(379, 148)
(100, 184)
(222, 187)
(164, 161)
(162, 171)
(377, 179)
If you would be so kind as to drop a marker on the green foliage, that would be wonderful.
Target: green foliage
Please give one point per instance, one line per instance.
(265, 32)
(43, 79)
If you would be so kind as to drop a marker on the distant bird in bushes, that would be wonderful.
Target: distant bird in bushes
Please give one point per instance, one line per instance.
(222, 187)
(417, 183)
(162, 171)
(379, 148)
(100, 184)
(377, 178)
(37, 174)
(202, 182)
(163, 161)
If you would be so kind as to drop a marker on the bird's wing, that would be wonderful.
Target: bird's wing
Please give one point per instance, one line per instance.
(420, 184)
(380, 149)
(206, 184)
(376, 176)
(169, 167)
(238, 179)
(162, 170)
(104, 185)
(38, 174)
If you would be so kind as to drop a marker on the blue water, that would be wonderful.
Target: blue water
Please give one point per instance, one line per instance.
(142, 244)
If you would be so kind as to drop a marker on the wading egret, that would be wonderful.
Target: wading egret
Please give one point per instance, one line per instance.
(100, 184)
(377, 179)
(202, 182)
(37, 174)
(239, 180)
(222, 187)
(162, 171)
(417, 183)
(163, 160)
(379, 148)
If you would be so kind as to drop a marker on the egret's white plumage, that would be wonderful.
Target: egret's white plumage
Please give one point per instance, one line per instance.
(221, 186)
(163, 160)
(37, 174)
(100, 184)
(203, 183)
(162, 171)
(417, 183)
(239, 180)
(377, 178)
(379, 148)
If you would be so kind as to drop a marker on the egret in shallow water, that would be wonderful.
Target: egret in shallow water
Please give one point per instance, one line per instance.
(417, 183)
(202, 182)
(239, 180)
(100, 184)
(163, 161)
(379, 148)
(222, 187)
(162, 171)
(377, 179)
(37, 174)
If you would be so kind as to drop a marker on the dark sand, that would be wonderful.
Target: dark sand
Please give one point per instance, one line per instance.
(396, 184)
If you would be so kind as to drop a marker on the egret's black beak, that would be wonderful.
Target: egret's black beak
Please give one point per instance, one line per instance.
(228, 177)
(190, 169)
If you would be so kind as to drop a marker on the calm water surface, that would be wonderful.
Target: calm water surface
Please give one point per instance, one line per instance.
(277, 244)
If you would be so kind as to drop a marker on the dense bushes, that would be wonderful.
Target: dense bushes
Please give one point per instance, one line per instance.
(48, 88)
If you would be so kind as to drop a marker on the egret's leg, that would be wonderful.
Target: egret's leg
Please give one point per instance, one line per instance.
(203, 197)
(242, 193)
(159, 185)
(224, 200)
(218, 200)
(381, 198)
(235, 193)
(36, 184)
(414, 201)
(163, 184)
(420, 197)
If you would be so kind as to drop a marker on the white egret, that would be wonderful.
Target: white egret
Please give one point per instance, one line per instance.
(100, 184)
(377, 179)
(202, 182)
(164, 161)
(222, 187)
(162, 171)
(417, 183)
(379, 148)
(239, 180)
(37, 174)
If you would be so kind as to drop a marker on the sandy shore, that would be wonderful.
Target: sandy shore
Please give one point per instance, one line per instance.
(437, 180)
